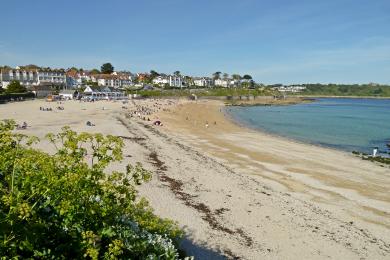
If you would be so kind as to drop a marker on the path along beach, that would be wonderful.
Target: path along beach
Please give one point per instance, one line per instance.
(238, 193)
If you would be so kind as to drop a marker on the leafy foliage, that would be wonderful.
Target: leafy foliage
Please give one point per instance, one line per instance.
(346, 90)
(9, 96)
(154, 74)
(107, 68)
(247, 77)
(15, 87)
(64, 205)
(95, 71)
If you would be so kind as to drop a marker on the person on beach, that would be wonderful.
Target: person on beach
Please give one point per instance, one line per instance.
(374, 151)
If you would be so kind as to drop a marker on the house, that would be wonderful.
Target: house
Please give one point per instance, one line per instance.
(290, 89)
(68, 94)
(160, 80)
(32, 75)
(142, 76)
(102, 93)
(203, 82)
(172, 81)
(222, 82)
(41, 91)
(176, 81)
(113, 80)
(73, 79)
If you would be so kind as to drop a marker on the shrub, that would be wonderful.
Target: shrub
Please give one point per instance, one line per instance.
(64, 205)
(15, 87)
(9, 96)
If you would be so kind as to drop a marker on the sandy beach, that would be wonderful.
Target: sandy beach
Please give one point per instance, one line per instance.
(238, 193)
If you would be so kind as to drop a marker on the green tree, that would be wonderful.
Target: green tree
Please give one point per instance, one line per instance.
(217, 75)
(236, 77)
(15, 87)
(91, 83)
(154, 74)
(177, 73)
(65, 205)
(95, 71)
(247, 77)
(107, 68)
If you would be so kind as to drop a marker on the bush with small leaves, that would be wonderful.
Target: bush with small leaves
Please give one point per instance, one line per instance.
(66, 206)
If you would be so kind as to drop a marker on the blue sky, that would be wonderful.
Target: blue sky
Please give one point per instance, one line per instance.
(278, 41)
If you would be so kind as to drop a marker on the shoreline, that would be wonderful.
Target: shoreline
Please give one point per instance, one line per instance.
(312, 150)
(351, 97)
(286, 138)
(236, 193)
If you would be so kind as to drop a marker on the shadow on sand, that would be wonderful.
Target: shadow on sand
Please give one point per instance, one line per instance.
(201, 251)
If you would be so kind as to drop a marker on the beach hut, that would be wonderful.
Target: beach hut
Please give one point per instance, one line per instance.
(103, 93)
(42, 91)
(68, 94)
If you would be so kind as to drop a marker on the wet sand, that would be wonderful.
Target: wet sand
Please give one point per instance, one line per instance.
(238, 193)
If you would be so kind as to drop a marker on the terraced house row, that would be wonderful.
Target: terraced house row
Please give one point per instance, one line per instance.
(32, 76)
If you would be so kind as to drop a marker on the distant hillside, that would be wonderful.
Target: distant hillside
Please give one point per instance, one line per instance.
(347, 90)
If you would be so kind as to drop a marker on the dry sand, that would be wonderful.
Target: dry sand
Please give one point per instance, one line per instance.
(239, 193)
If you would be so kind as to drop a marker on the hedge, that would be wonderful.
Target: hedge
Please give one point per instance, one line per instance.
(9, 96)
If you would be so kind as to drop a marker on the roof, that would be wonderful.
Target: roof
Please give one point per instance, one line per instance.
(72, 73)
(111, 76)
(33, 69)
(42, 88)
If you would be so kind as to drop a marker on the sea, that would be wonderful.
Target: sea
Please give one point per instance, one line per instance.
(346, 124)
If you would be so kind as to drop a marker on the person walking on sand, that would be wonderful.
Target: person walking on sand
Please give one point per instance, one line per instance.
(207, 124)
(374, 151)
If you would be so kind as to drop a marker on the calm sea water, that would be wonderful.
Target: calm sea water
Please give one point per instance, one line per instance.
(346, 124)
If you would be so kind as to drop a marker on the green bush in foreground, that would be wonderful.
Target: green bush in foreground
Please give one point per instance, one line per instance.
(63, 206)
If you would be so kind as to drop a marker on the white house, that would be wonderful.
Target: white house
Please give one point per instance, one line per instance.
(68, 94)
(33, 76)
(103, 93)
(222, 82)
(203, 82)
(115, 81)
(172, 81)
(160, 80)
(176, 81)
(290, 89)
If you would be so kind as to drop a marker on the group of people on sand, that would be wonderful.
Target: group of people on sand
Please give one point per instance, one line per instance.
(22, 126)
(144, 110)
(45, 109)
(50, 109)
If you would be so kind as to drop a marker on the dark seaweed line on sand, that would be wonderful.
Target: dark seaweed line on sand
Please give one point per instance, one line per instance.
(176, 187)
(383, 246)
